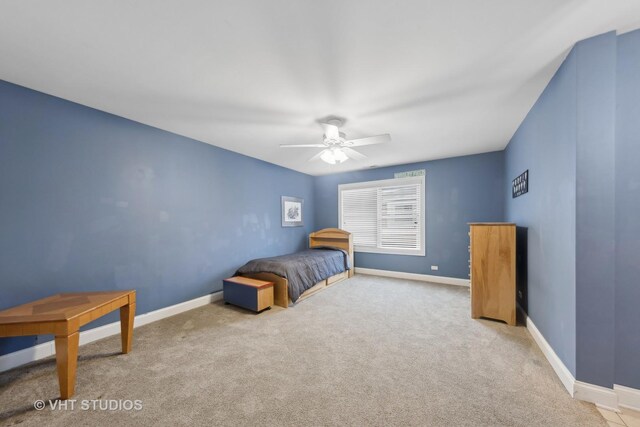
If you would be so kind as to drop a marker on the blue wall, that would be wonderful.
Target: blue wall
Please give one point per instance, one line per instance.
(545, 144)
(92, 201)
(458, 190)
(580, 142)
(627, 302)
(595, 209)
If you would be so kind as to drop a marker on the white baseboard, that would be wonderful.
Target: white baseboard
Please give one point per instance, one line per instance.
(21, 357)
(628, 397)
(40, 351)
(563, 373)
(413, 276)
(603, 397)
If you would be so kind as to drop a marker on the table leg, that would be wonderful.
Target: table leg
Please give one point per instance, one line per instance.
(127, 314)
(67, 362)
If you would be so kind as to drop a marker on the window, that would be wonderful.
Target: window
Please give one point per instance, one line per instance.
(384, 216)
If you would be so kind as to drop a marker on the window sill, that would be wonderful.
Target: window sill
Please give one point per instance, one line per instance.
(390, 251)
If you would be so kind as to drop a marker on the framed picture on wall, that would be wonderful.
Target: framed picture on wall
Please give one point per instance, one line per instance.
(292, 211)
(520, 185)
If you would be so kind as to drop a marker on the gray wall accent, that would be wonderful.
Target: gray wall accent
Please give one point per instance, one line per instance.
(458, 190)
(595, 209)
(545, 144)
(92, 201)
(627, 302)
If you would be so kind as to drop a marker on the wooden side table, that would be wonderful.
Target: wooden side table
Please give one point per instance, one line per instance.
(62, 315)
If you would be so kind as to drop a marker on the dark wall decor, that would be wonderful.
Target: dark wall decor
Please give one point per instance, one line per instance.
(520, 185)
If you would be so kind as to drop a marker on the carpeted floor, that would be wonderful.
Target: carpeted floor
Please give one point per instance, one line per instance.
(367, 351)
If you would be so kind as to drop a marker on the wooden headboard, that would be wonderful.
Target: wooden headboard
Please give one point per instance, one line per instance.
(336, 238)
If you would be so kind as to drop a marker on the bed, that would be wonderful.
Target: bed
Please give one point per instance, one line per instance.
(329, 259)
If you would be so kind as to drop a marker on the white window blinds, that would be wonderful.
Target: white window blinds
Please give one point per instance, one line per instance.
(360, 215)
(384, 216)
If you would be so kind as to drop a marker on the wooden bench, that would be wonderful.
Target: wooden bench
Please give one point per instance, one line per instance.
(62, 315)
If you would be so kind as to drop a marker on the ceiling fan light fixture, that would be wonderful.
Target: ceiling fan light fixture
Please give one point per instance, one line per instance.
(340, 156)
(328, 157)
(336, 147)
(333, 156)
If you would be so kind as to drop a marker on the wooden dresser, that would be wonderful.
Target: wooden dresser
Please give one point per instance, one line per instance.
(493, 270)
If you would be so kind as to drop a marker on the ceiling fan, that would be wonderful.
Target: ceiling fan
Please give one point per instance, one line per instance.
(337, 148)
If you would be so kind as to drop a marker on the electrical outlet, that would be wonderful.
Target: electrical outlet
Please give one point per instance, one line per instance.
(434, 267)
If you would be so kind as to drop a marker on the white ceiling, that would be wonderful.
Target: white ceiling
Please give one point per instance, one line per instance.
(444, 78)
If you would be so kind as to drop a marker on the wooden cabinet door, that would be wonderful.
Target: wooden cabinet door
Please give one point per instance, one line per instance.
(493, 271)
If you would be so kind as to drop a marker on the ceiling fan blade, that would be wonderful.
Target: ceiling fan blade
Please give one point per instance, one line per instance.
(301, 145)
(353, 154)
(317, 156)
(370, 140)
(331, 131)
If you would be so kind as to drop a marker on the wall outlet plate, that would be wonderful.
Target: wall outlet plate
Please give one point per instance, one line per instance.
(434, 267)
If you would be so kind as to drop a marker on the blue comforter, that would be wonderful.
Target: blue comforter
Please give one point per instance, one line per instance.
(301, 269)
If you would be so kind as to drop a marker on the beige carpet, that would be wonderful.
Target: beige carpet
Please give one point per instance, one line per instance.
(367, 351)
